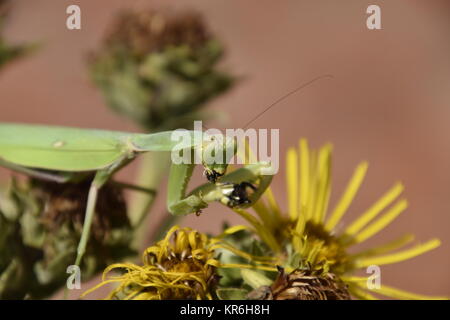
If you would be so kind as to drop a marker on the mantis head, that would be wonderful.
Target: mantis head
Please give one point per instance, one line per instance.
(217, 152)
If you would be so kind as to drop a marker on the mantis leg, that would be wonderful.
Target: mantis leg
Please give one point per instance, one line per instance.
(240, 178)
(59, 177)
(133, 187)
(179, 203)
(101, 177)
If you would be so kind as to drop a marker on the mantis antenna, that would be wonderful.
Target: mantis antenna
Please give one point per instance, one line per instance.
(270, 106)
(304, 85)
(329, 76)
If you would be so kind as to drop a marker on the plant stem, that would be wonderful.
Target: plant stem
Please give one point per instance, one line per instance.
(152, 168)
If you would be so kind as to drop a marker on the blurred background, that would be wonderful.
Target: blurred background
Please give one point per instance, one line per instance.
(389, 101)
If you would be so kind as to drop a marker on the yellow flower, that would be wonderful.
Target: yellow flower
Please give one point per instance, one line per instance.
(181, 266)
(309, 230)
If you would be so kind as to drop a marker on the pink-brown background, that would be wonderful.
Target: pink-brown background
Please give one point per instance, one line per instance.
(389, 102)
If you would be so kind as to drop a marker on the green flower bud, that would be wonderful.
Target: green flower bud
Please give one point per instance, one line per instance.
(159, 69)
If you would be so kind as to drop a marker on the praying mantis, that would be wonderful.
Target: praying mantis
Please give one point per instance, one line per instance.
(64, 154)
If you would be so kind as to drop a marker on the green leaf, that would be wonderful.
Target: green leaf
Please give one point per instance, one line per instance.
(255, 279)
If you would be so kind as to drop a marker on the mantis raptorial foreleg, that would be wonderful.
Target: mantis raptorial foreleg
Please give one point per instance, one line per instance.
(177, 201)
(231, 190)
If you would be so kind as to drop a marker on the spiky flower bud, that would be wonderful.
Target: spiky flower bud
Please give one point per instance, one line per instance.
(40, 227)
(159, 68)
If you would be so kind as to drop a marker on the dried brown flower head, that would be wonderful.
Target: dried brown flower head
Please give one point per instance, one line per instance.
(303, 284)
(144, 32)
(41, 224)
(66, 202)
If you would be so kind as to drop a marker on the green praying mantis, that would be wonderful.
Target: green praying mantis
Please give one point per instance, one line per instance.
(64, 154)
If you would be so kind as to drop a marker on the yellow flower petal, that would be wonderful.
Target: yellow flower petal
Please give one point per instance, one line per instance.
(399, 256)
(388, 247)
(382, 222)
(292, 182)
(233, 229)
(264, 214)
(359, 293)
(375, 209)
(304, 174)
(323, 185)
(347, 197)
(272, 202)
(260, 229)
(400, 294)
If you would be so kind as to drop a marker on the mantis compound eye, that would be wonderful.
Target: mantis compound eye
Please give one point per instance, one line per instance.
(236, 194)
